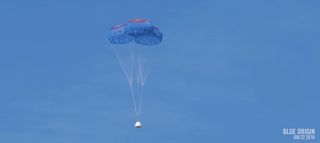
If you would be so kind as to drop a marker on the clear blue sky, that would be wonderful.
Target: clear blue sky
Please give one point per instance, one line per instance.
(229, 71)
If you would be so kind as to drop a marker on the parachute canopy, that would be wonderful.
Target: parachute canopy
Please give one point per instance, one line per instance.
(118, 35)
(139, 30)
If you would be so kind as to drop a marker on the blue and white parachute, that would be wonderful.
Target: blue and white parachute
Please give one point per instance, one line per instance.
(139, 30)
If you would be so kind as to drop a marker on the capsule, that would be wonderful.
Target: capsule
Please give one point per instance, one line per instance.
(138, 124)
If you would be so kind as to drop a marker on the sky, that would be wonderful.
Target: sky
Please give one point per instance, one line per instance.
(226, 71)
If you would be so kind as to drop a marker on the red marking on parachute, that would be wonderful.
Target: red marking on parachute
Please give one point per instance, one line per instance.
(138, 20)
(118, 26)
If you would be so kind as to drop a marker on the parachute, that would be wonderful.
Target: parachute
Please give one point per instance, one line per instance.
(130, 43)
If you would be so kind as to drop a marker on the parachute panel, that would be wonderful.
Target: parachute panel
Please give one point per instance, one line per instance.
(138, 26)
(153, 37)
(118, 35)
